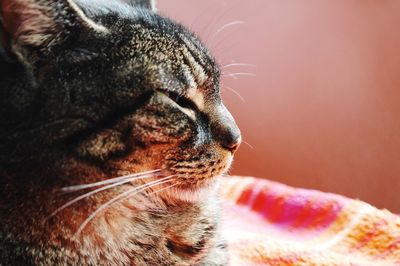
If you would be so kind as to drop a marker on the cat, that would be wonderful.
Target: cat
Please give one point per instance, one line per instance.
(112, 137)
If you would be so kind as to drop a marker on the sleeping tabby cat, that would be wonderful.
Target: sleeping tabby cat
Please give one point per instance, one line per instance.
(112, 134)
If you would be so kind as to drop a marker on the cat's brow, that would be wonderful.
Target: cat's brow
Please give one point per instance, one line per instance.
(197, 74)
(197, 70)
(197, 97)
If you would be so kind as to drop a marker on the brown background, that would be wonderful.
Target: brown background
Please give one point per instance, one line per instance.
(323, 109)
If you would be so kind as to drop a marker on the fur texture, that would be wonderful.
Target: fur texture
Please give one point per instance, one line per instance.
(93, 92)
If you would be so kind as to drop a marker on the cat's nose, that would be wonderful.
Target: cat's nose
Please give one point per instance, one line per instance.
(231, 141)
(225, 130)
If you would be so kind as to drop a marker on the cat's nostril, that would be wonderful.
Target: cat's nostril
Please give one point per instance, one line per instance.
(231, 143)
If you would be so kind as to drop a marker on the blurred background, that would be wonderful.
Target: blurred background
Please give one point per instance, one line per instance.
(321, 107)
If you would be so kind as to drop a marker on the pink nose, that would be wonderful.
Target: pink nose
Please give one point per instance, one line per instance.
(232, 142)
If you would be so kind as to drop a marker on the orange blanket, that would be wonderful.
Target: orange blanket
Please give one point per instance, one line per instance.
(266, 223)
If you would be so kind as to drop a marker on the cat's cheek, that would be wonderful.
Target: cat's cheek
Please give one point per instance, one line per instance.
(101, 145)
(157, 131)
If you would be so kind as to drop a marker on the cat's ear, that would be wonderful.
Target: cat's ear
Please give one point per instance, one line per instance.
(149, 4)
(39, 25)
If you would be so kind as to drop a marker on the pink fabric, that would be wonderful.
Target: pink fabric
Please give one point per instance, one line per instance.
(267, 223)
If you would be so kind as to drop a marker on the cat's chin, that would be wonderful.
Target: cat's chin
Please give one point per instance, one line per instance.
(193, 195)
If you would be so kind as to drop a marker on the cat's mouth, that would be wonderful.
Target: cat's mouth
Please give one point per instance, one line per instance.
(195, 178)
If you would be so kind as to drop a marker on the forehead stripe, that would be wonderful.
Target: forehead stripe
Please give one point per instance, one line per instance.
(198, 71)
(195, 52)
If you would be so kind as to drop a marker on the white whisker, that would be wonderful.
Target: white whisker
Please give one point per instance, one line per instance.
(248, 144)
(235, 75)
(235, 92)
(162, 189)
(120, 197)
(230, 24)
(224, 27)
(110, 181)
(239, 74)
(86, 195)
(237, 64)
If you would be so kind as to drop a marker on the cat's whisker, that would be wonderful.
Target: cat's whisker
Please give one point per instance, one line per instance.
(238, 74)
(235, 92)
(226, 26)
(162, 189)
(158, 191)
(120, 197)
(199, 16)
(86, 195)
(235, 75)
(162, 209)
(237, 64)
(217, 17)
(110, 181)
(248, 144)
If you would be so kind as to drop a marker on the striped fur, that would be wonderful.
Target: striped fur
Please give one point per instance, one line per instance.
(94, 91)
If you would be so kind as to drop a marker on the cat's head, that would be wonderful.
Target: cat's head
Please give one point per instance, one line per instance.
(114, 85)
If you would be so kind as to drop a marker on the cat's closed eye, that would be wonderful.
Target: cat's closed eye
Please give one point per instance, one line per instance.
(188, 105)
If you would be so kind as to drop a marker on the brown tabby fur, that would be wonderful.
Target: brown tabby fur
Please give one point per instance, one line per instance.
(92, 90)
